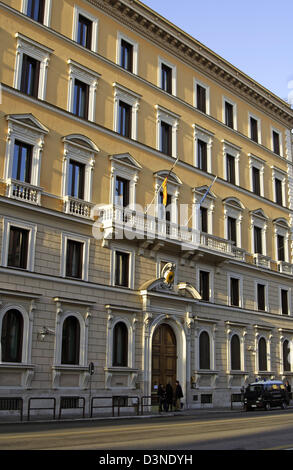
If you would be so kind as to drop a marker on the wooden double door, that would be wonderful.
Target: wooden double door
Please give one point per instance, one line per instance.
(164, 356)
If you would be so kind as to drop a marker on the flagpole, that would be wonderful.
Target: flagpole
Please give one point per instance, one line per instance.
(161, 185)
(198, 204)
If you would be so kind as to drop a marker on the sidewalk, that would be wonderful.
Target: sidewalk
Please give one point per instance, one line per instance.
(15, 418)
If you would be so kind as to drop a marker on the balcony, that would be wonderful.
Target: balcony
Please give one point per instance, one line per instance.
(78, 207)
(23, 191)
(284, 267)
(117, 222)
(262, 261)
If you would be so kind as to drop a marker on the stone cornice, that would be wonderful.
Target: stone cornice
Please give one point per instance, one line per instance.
(146, 22)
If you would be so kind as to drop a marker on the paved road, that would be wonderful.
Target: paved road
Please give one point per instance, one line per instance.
(217, 431)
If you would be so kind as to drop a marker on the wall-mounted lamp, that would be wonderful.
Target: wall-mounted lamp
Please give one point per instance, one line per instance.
(45, 331)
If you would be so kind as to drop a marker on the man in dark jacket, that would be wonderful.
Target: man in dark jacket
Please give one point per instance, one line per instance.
(169, 397)
(178, 396)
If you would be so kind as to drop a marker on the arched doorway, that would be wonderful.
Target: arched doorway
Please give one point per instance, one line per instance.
(164, 356)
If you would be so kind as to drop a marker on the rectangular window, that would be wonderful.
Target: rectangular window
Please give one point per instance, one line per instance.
(74, 259)
(232, 233)
(281, 247)
(202, 155)
(229, 114)
(76, 179)
(261, 302)
(166, 138)
(204, 285)
(254, 129)
(201, 98)
(30, 76)
(284, 302)
(234, 291)
(257, 240)
(124, 127)
(166, 78)
(256, 181)
(18, 247)
(230, 163)
(276, 142)
(22, 162)
(122, 192)
(80, 99)
(204, 219)
(166, 213)
(122, 269)
(84, 32)
(36, 9)
(278, 191)
(126, 57)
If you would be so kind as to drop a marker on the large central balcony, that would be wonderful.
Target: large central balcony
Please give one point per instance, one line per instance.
(121, 223)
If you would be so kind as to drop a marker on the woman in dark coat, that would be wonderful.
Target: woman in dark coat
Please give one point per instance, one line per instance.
(169, 397)
(162, 397)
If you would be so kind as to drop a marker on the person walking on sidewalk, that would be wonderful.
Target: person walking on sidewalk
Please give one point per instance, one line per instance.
(178, 396)
(162, 397)
(169, 397)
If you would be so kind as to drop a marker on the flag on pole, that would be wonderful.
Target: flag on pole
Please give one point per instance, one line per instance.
(207, 191)
(165, 192)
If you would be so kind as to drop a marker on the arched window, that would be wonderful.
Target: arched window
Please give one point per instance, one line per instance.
(120, 345)
(12, 336)
(235, 353)
(286, 352)
(204, 351)
(70, 341)
(262, 354)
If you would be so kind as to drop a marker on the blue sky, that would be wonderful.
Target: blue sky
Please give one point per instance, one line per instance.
(255, 36)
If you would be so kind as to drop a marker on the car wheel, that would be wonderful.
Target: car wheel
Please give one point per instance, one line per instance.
(247, 408)
(284, 405)
(267, 406)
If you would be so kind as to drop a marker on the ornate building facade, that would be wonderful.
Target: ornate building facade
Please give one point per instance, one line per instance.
(100, 99)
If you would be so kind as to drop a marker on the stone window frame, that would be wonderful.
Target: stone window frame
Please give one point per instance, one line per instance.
(274, 129)
(258, 163)
(233, 208)
(234, 151)
(196, 82)
(95, 26)
(32, 133)
(37, 51)
(281, 175)
(9, 222)
(134, 44)
(240, 331)
(260, 333)
(47, 11)
(285, 335)
(124, 166)
(231, 275)
(163, 61)
(225, 99)
(266, 290)
(26, 335)
(131, 98)
(289, 297)
(259, 133)
(206, 268)
(199, 133)
(164, 115)
(65, 236)
(281, 227)
(259, 219)
(208, 203)
(88, 77)
(83, 152)
(131, 252)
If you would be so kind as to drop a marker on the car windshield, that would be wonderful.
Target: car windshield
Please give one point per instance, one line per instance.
(255, 388)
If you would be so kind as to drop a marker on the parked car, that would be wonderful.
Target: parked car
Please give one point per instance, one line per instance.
(265, 394)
